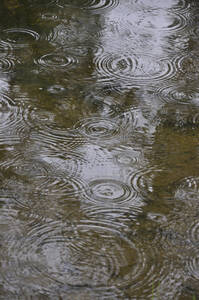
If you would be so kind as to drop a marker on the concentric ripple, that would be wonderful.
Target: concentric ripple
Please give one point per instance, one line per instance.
(5, 49)
(65, 162)
(7, 65)
(96, 128)
(140, 69)
(194, 234)
(109, 192)
(93, 5)
(187, 189)
(56, 61)
(59, 185)
(165, 21)
(176, 5)
(192, 264)
(84, 50)
(85, 255)
(11, 125)
(179, 94)
(19, 37)
(143, 180)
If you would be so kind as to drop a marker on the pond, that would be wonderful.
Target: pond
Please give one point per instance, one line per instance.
(99, 149)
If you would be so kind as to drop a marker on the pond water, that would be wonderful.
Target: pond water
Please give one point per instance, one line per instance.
(99, 149)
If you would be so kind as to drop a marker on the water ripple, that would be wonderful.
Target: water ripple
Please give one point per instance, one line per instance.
(140, 69)
(93, 5)
(84, 255)
(176, 5)
(56, 61)
(67, 162)
(179, 94)
(11, 124)
(7, 65)
(109, 192)
(84, 50)
(59, 185)
(96, 128)
(165, 21)
(192, 264)
(58, 140)
(5, 49)
(143, 180)
(19, 37)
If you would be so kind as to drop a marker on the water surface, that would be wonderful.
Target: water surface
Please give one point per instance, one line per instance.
(99, 130)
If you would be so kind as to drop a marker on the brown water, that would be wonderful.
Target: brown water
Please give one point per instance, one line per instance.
(99, 149)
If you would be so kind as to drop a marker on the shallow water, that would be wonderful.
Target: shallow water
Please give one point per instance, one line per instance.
(99, 131)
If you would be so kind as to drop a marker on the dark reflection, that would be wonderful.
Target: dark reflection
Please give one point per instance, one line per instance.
(98, 149)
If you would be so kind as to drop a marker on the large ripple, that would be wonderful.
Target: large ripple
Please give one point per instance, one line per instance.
(19, 37)
(138, 69)
(86, 255)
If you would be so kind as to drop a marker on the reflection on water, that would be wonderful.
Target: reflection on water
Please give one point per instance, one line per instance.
(99, 128)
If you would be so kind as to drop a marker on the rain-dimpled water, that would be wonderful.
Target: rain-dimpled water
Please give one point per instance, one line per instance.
(99, 149)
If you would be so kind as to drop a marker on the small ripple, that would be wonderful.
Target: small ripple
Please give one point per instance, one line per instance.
(30, 168)
(92, 5)
(56, 61)
(172, 22)
(109, 192)
(58, 140)
(127, 156)
(178, 94)
(140, 69)
(194, 233)
(143, 180)
(7, 65)
(11, 124)
(68, 162)
(176, 5)
(19, 37)
(97, 128)
(116, 66)
(84, 50)
(59, 185)
(5, 49)
(192, 264)
(187, 65)
(187, 189)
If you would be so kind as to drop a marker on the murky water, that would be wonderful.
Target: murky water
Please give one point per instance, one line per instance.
(99, 148)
